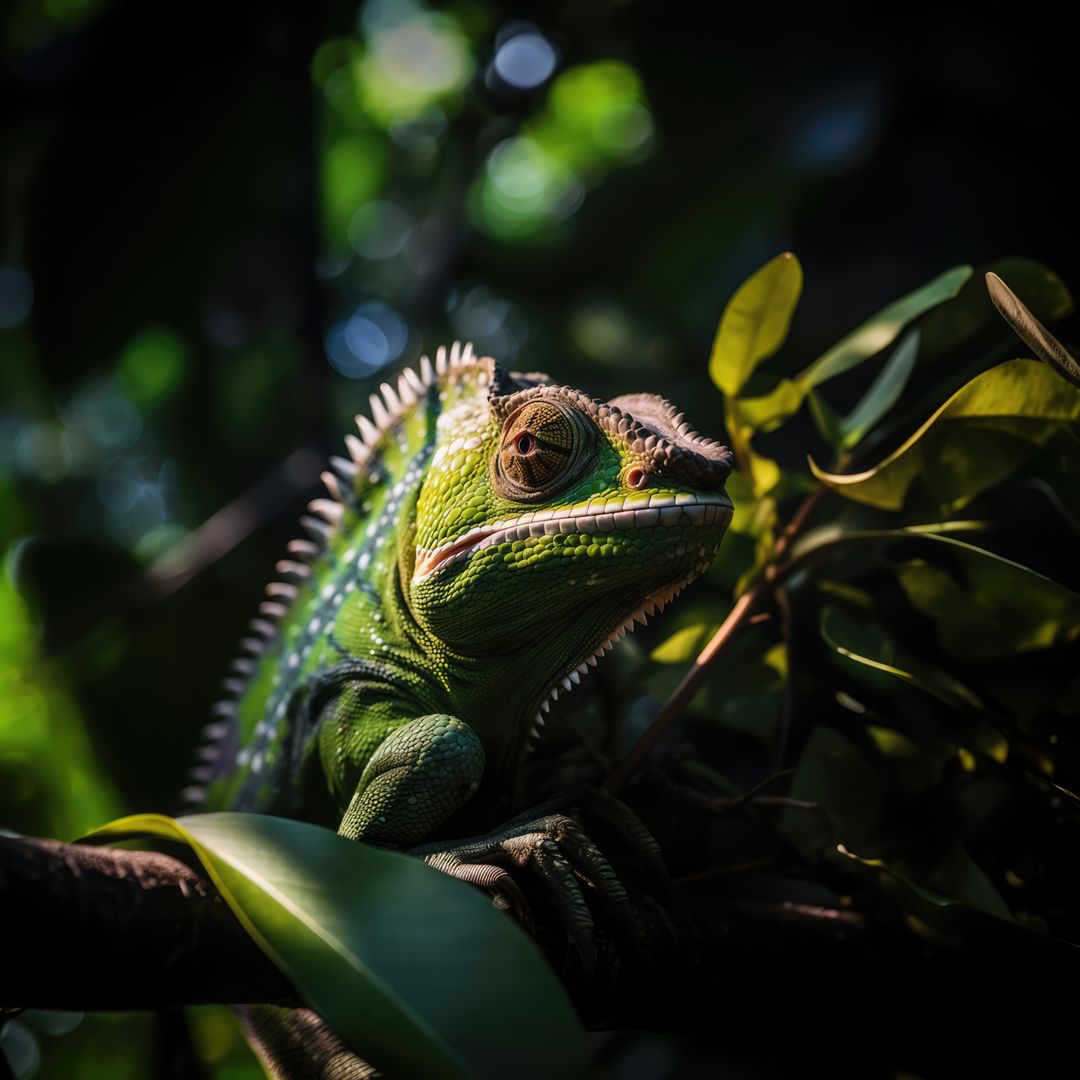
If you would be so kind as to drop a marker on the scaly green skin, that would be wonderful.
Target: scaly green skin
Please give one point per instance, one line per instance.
(396, 680)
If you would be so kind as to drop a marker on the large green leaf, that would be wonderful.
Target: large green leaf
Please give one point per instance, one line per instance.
(878, 332)
(982, 434)
(755, 322)
(998, 609)
(414, 970)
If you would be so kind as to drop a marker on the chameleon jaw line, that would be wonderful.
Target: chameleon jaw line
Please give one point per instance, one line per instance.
(601, 515)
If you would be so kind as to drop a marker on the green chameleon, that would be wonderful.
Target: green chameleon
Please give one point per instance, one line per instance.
(489, 538)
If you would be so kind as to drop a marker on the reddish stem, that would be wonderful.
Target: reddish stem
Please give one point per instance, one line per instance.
(742, 614)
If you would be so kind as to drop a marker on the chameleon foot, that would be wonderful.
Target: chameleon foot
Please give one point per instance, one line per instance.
(555, 848)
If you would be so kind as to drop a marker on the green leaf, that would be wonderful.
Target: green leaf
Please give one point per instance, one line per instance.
(768, 412)
(755, 322)
(833, 538)
(882, 395)
(416, 971)
(826, 418)
(977, 917)
(982, 434)
(998, 609)
(882, 329)
(870, 645)
(1032, 332)
(878, 332)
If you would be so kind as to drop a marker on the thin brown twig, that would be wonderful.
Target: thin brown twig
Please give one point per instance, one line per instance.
(740, 616)
(783, 606)
(685, 692)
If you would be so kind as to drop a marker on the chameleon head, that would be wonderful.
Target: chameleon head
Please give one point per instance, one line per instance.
(552, 520)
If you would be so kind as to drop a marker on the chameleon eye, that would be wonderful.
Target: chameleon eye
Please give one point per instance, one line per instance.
(541, 450)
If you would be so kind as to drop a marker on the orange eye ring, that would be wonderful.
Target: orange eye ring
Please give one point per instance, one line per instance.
(525, 443)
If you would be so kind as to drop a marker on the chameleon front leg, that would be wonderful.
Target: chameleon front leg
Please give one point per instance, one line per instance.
(417, 777)
(425, 770)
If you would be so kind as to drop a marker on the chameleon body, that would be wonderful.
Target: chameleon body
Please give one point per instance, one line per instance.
(488, 538)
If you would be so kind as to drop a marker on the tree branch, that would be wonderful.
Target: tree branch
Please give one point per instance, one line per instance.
(101, 928)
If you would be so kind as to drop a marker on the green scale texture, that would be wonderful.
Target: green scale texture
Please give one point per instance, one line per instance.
(412, 662)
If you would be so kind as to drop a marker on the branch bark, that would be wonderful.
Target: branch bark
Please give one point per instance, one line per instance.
(91, 928)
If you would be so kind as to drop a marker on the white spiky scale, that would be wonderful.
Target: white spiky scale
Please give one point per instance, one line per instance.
(378, 411)
(414, 381)
(440, 360)
(303, 548)
(330, 482)
(368, 431)
(330, 509)
(393, 403)
(344, 467)
(316, 527)
(406, 394)
(357, 450)
(300, 571)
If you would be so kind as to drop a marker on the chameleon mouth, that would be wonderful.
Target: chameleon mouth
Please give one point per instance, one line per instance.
(600, 515)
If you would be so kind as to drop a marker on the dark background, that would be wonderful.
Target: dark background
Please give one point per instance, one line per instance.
(168, 195)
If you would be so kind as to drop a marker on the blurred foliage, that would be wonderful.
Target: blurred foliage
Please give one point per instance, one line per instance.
(286, 205)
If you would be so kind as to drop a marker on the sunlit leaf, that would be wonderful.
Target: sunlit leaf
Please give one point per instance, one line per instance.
(1000, 607)
(764, 472)
(882, 329)
(871, 646)
(1032, 332)
(755, 322)
(982, 434)
(882, 395)
(394, 955)
(768, 412)
(684, 645)
(878, 332)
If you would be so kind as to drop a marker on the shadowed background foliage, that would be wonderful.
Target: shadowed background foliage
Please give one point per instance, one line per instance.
(224, 225)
